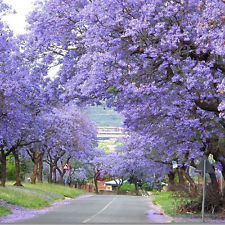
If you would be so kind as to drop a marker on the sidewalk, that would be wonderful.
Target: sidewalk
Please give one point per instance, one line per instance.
(156, 214)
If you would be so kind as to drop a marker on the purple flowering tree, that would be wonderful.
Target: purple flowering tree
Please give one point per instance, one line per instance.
(160, 63)
(69, 135)
(20, 97)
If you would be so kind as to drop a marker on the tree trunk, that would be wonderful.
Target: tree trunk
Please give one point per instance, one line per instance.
(223, 169)
(54, 174)
(62, 173)
(136, 187)
(35, 169)
(50, 173)
(180, 174)
(214, 182)
(17, 165)
(40, 167)
(54, 169)
(193, 187)
(96, 185)
(171, 182)
(3, 172)
(61, 178)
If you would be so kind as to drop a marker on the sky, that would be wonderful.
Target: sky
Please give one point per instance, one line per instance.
(17, 21)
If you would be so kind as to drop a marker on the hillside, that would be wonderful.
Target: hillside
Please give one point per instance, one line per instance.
(104, 117)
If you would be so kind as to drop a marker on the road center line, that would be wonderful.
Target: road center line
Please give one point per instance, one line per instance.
(103, 209)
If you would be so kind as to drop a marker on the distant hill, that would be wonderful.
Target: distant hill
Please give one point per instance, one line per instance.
(104, 117)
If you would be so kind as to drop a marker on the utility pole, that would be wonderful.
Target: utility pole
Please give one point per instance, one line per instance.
(203, 195)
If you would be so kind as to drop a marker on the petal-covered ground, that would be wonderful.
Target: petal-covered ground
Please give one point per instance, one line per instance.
(198, 220)
(157, 215)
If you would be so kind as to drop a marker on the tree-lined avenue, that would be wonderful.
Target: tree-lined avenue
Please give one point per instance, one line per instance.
(100, 209)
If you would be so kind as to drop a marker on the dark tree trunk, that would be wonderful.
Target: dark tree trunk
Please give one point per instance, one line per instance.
(3, 172)
(50, 173)
(180, 174)
(96, 185)
(54, 174)
(40, 167)
(61, 178)
(54, 170)
(136, 188)
(171, 181)
(17, 165)
(214, 182)
(135, 181)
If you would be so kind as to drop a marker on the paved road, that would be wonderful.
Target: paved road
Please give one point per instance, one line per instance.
(101, 209)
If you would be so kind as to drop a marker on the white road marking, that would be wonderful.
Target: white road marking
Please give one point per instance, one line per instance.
(92, 217)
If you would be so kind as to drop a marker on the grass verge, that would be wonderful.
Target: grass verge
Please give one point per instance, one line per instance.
(4, 211)
(27, 198)
(37, 195)
(57, 189)
(169, 201)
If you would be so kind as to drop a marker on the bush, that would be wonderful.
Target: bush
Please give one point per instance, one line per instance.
(147, 187)
(127, 188)
(213, 202)
(25, 167)
(10, 170)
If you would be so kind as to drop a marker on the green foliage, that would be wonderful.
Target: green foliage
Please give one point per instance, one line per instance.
(113, 90)
(128, 187)
(4, 211)
(169, 201)
(109, 145)
(147, 187)
(25, 167)
(10, 170)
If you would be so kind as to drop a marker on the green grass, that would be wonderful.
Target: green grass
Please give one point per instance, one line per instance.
(27, 198)
(57, 189)
(128, 187)
(169, 201)
(37, 195)
(4, 211)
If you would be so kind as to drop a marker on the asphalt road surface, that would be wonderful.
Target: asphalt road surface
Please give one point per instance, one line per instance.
(102, 209)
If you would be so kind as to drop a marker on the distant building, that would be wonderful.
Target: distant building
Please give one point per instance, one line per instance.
(110, 133)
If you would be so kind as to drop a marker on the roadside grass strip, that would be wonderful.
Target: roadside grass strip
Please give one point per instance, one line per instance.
(57, 189)
(4, 211)
(28, 198)
(35, 196)
(169, 202)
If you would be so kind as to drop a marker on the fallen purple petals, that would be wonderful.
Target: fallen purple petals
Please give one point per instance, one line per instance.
(155, 214)
(84, 196)
(192, 219)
